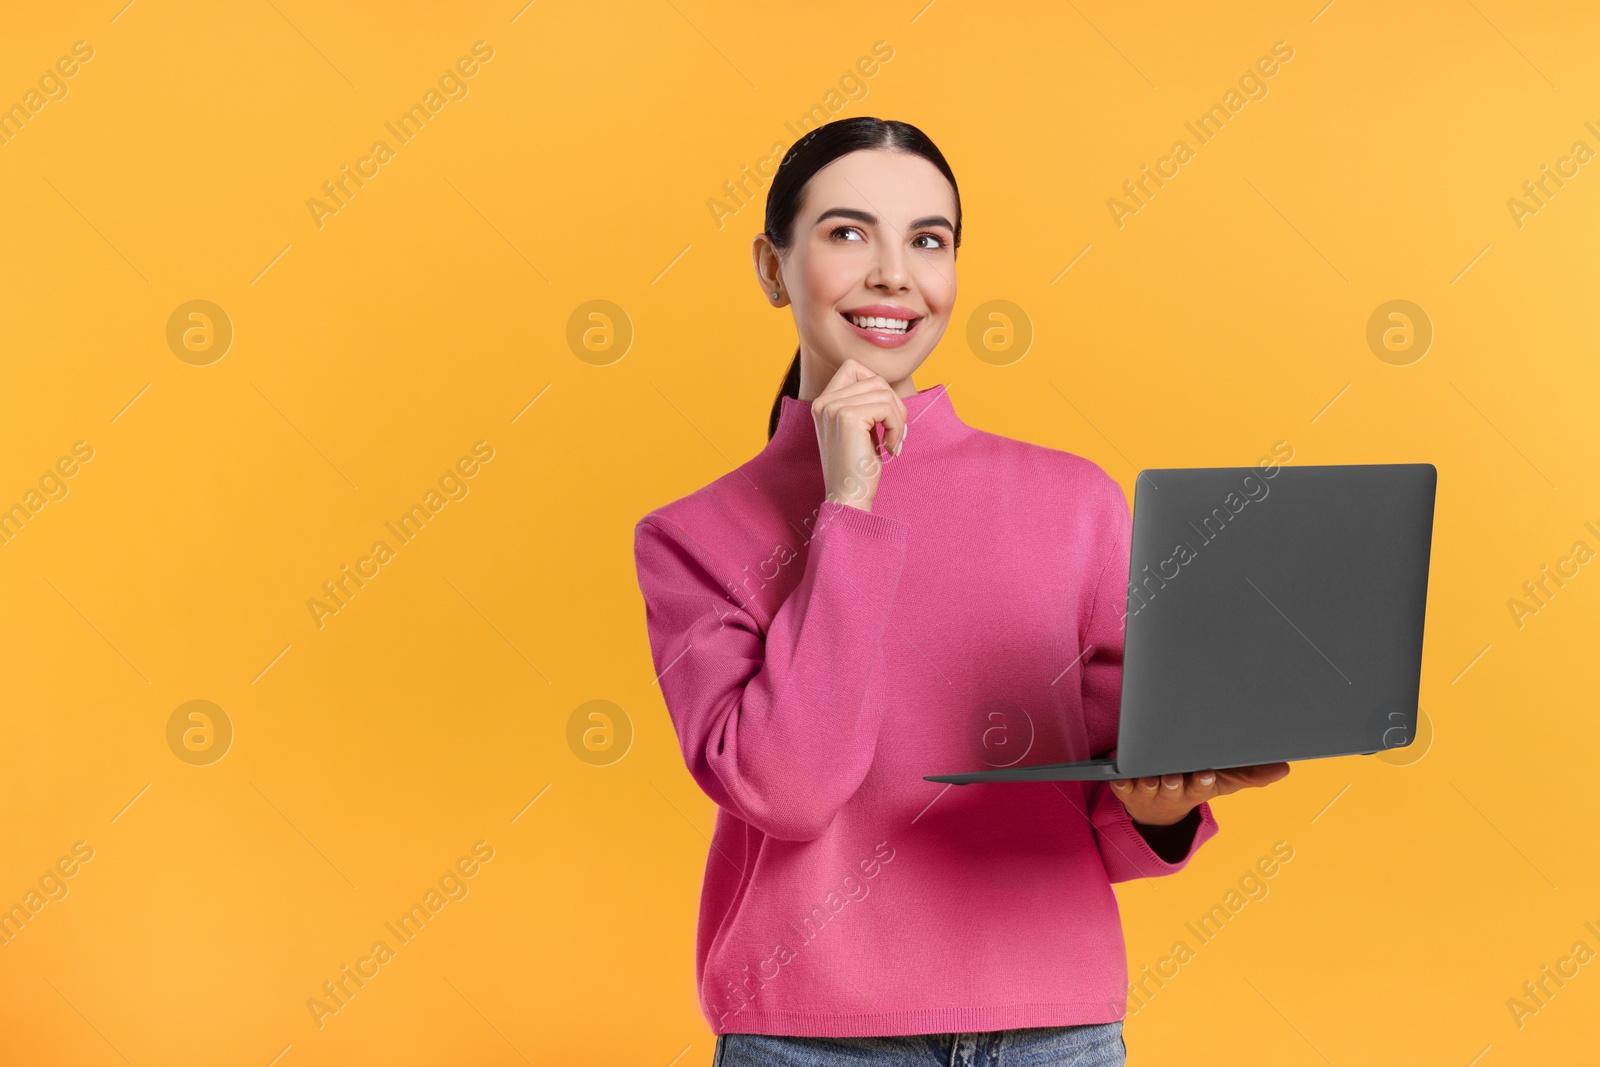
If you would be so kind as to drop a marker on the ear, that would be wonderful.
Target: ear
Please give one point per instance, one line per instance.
(769, 270)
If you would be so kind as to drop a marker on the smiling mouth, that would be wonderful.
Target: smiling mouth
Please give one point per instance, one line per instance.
(881, 323)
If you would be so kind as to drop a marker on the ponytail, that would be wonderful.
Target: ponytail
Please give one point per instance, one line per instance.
(790, 387)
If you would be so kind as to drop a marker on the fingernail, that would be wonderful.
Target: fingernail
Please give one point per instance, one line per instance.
(1207, 779)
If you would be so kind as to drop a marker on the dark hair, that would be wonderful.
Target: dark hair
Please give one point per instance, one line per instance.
(810, 154)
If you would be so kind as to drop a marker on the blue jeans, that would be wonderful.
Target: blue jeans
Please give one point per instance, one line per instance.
(1090, 1045)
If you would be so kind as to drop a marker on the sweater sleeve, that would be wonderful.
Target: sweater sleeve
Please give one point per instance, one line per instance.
(1126, 853)
(774, 727)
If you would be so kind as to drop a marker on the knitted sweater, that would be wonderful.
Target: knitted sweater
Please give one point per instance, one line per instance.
(817, 660)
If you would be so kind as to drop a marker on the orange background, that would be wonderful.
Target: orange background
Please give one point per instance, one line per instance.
(431, 312)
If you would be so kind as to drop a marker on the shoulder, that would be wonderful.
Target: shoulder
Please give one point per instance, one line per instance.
(730, 519)
(680, 519)
(1069, 500)
(1060, 476)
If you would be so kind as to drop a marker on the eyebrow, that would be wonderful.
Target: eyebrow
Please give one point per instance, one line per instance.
(872, 220)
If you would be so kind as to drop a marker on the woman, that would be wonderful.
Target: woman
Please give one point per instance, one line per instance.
(846, 612)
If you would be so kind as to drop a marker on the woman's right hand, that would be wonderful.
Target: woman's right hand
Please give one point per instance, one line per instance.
(847, 413)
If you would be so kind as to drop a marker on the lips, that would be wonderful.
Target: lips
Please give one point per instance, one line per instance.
(881, 337)
(886, 311)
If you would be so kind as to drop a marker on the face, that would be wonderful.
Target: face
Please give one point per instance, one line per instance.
(874, 239)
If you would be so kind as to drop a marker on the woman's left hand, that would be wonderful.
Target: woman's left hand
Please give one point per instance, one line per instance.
(1165, 800)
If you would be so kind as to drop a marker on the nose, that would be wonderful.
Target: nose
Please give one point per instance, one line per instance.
(889, 269)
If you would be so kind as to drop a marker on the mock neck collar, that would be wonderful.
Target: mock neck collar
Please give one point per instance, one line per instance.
(930, 416)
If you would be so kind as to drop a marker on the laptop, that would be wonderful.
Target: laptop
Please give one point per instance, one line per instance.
(1274, 614)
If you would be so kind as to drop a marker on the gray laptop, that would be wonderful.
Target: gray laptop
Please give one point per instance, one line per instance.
(1271, 617)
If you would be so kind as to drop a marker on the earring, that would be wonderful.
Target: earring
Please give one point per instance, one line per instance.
(774, 294)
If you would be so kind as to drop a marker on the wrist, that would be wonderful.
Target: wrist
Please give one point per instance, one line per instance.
(1162, 825)
(1187, 819)
(861, 503)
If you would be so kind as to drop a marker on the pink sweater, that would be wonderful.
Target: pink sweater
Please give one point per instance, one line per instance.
(817, 660)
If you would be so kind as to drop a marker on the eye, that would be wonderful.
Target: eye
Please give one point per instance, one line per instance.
(846, 229)
(932, 237)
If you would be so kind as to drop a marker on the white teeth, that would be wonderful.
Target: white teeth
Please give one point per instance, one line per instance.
(878, 322)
